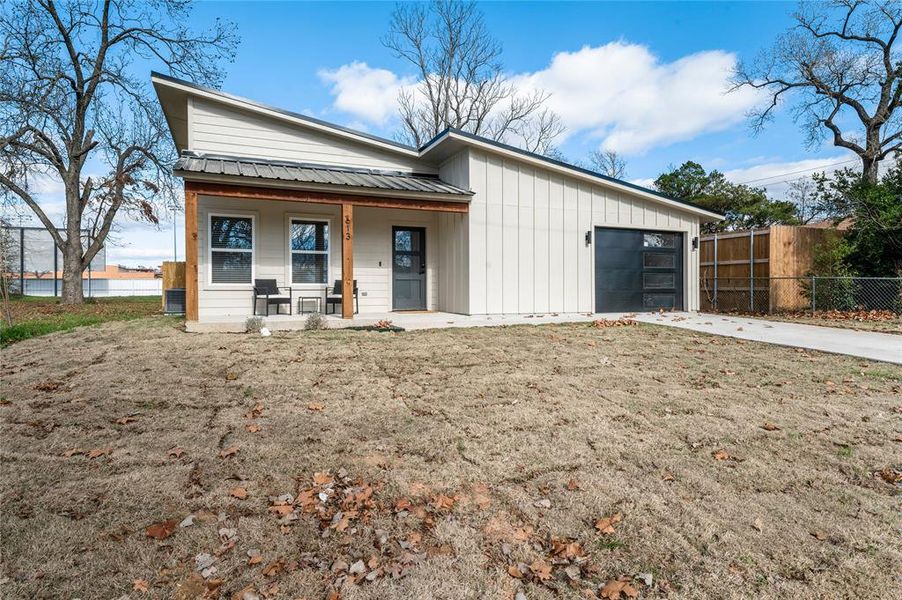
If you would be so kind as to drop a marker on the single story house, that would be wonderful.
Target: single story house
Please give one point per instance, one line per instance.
(462, 225)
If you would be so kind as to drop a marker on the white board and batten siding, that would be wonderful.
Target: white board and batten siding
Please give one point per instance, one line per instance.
(453, 242)
(527, 228)
(219, 129)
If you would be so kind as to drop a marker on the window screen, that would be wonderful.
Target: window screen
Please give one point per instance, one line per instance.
(231, 249)
(309, 251)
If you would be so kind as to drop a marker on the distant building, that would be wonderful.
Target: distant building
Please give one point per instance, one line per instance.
(35, 266)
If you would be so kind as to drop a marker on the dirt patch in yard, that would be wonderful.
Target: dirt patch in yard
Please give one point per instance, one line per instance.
(560, 460)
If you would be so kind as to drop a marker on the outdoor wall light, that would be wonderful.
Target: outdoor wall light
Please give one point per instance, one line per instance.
(695, 243)
(588, 238)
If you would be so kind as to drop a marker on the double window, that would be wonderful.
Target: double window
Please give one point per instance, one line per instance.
(231, 249)
(309, 245)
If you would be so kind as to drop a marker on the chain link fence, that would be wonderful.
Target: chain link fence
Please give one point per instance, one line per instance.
(773, 295)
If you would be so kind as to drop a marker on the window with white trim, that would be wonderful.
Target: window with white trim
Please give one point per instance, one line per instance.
(309, 245)
(231, 249)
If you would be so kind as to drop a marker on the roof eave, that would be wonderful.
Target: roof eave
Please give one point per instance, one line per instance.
(329, 188)
(187, 87)
(492, 146)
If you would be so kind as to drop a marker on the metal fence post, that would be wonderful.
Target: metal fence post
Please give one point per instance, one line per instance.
(813, 294)
(715, 271)
(752, 271)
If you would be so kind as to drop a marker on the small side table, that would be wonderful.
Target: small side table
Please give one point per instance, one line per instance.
(317, 300)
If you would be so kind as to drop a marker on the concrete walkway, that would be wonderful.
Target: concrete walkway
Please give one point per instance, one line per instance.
(865, 344)
(877, 346)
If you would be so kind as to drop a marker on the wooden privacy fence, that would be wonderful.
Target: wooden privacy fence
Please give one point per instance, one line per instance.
(758, 270)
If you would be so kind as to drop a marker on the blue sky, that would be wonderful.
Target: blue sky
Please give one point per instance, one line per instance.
(645, 79)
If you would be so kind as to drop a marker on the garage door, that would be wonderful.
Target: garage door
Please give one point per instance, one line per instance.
(638, 270)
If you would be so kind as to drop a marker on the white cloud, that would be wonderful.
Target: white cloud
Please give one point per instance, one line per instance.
(627, 97)
(620, 93)
(368, 93)
(775, 176)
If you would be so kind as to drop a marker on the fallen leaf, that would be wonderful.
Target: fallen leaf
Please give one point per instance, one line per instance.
(72, 452)
(568, 550)
(667, 477)
(757, 525)
(273, 569)
(239, 492)
(442, 502)
(890, 475)
(540, 569)
(98, 452)
(615, 588)
(255, 412)
(161, 530)
(769, 427)
(606, 524)
(254, 560)
(819, 535)
(126, 420)
(322, 478)
(253, 428)
(230, 451)
(721, 455)
(316, 406)
(141, 585)
(230, 376)
(514, 571)
(573, 485)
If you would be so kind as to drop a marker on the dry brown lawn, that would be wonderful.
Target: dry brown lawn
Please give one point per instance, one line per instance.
(465, 463)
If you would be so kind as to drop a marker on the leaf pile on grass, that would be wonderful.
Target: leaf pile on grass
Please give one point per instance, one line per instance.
(604, 323)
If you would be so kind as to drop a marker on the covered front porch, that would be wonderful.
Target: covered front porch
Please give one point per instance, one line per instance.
(405, 250)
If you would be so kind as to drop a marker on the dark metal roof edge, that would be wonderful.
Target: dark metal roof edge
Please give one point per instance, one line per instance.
(288, 113)
(181, 167)
(563, 164)
(307, 165)
(384, 191)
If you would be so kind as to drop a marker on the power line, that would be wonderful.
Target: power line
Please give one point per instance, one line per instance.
(818, 168)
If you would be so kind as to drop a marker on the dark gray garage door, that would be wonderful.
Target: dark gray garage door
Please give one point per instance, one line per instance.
(638, 270)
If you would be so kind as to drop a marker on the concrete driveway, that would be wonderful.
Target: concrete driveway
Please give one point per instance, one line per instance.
(866, 344)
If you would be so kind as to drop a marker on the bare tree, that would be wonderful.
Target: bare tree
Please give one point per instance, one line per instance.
(9, 249)
(803, 193)
(841, 66)
(608, 162)
(70, 102)
(461, 81)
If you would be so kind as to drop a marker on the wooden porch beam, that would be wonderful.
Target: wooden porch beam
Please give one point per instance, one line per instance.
(263, 193)
(347, 261)
(191, 311)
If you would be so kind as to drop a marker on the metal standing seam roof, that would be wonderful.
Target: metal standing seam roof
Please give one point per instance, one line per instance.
(318, 174)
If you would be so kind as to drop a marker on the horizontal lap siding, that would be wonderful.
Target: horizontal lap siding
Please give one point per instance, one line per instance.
(372, 246)
(217, 129)
(527, 229)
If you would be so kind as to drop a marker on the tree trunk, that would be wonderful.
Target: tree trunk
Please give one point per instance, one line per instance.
(869, 162)
(73, 292)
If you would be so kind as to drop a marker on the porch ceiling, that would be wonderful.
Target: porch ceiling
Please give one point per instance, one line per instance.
(339, 178)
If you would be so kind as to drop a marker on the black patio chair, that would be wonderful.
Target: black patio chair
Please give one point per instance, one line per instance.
(267, 291)
(334, 297)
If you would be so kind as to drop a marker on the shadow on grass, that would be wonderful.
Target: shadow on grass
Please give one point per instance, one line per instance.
(35, 316)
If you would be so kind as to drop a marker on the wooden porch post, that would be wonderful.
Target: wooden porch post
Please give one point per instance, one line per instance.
(190, 255)
(347, 260)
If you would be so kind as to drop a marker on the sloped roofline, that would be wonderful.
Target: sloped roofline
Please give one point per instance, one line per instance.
(424, 150)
